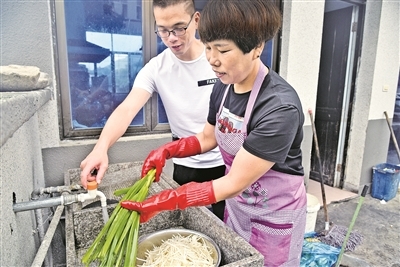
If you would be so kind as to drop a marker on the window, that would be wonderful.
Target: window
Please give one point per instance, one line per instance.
(101, 46)
(100, 51)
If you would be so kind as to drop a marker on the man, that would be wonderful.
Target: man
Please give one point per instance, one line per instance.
(183, 78)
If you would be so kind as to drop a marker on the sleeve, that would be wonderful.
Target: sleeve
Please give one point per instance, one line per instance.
(273, 134)
(215, 102)
(145, 77)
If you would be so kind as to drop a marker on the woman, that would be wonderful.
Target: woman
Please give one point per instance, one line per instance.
(263, 185)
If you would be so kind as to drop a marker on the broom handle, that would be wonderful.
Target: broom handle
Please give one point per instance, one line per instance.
(320, 170)
(396, 145)
(364, 192)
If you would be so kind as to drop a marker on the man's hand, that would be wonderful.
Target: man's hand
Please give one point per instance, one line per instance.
(93, 168)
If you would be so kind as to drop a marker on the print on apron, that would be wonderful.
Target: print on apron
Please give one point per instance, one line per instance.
(256, 195)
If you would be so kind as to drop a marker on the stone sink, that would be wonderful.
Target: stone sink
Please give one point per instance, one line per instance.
(83, 221)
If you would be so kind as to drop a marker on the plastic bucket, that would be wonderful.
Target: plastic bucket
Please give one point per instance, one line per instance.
(313, 207)
(385, 181)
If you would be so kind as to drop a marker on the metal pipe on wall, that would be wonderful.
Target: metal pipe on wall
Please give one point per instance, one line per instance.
(53, 189)
(50, 202)
(41, 232)
(44, 246)
(37, 204)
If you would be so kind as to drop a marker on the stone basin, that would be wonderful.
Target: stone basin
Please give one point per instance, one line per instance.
(83, 222)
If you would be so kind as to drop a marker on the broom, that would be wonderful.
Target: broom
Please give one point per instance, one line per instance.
(353, 220)
(320, 170)
(335, 236)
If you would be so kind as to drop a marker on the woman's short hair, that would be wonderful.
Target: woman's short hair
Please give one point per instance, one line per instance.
(248, 23)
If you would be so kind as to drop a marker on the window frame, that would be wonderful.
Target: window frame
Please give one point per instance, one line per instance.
(149, 40)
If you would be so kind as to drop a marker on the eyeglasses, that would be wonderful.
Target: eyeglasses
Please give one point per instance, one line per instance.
(176, 32)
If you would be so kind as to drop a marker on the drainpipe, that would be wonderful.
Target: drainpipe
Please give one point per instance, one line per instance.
(35, 195)
(41, 255)
(40, 228)
(60, 201)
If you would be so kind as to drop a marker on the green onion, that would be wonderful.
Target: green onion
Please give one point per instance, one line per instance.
(116, 244)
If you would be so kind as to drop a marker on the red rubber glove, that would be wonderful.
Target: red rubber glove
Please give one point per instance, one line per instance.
(181, 148)
(188, 195)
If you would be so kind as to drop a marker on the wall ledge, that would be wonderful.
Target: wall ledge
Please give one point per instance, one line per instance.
(16, 108)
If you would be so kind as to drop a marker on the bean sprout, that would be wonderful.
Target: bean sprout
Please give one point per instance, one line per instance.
(191, 250)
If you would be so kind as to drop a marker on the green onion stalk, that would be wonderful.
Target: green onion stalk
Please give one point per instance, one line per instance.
(116, 244)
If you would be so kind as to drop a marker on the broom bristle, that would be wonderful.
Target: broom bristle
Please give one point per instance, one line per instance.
(336, 236)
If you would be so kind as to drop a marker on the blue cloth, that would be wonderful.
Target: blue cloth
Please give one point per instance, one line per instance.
(316, 253)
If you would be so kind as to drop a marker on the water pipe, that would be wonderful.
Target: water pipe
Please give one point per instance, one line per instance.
(92, 193)
(54, 189)
(40, 230)
(45, 244)
(42, 256)
(35, 195)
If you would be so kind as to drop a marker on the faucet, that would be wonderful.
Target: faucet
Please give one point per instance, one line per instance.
(92, 193)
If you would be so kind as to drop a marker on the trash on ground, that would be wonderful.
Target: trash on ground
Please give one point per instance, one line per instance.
(317, 254)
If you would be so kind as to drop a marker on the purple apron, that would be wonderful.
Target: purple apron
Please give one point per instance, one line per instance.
(271, 213)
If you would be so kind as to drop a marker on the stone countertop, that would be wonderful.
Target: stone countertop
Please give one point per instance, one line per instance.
(235, 251)
(18, 107)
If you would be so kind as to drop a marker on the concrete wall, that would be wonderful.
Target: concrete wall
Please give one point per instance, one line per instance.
(379, 68)
(27, 39)
(21, 171)
(300, 54)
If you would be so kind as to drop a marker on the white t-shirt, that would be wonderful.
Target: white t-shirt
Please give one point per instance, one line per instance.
(184, 88)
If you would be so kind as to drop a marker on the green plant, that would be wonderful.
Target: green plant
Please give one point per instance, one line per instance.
(116, 244)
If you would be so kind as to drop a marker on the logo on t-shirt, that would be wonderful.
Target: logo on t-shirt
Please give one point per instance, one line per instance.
(207, 82)
(229, 122)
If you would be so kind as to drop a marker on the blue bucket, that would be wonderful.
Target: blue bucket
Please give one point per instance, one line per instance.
(385, 181)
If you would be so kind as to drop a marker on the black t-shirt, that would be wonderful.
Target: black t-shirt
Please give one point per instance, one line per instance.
(275, 127)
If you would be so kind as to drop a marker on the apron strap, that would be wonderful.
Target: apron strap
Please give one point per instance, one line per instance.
(253, 95)
(223, 99)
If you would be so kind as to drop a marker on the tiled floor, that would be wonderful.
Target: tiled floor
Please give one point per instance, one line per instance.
(332, 194)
